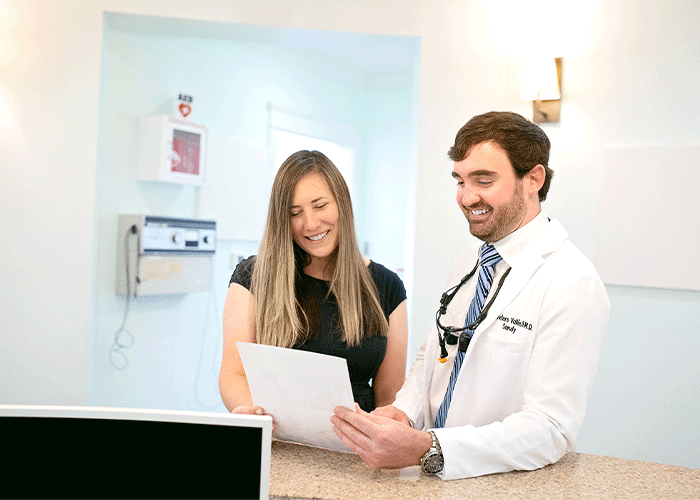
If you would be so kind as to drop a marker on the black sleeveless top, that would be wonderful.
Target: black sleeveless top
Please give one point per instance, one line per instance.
(363, 359)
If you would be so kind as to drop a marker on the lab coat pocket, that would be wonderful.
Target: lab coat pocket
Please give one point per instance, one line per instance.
(496, 375)
(512, 346)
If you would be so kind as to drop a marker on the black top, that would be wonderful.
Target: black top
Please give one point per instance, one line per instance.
(363, 359)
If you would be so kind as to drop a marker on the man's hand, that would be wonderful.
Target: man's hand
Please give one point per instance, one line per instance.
(392, 412)
(381, 442)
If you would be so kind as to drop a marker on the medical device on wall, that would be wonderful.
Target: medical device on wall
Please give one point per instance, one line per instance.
(164, 255)
(172, 150)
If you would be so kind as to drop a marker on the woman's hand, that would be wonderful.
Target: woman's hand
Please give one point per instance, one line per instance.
(252, 410)
(248, 410)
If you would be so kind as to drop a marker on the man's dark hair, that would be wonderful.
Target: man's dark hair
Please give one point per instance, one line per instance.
(525, 143)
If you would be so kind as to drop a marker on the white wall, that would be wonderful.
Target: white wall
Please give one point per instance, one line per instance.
(630, 77)
(49, 83)
(634, 83)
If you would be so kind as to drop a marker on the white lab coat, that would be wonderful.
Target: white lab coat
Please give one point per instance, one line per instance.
(521, 394)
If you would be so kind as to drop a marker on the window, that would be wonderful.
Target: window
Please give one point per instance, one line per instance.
(286, 143)
(290, 133)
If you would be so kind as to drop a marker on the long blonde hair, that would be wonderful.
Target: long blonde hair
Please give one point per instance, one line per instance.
(280, 319)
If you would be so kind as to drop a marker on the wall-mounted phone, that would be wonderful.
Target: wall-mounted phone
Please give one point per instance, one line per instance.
(164, 255)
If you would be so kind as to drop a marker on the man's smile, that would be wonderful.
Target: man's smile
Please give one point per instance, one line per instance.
(480, 212)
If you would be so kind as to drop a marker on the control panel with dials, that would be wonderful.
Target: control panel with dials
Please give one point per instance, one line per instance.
(164, 255)
(163, 234)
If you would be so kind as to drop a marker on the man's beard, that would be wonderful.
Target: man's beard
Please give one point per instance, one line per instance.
(503, 220)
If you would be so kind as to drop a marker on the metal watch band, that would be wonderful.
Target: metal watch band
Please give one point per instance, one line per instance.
(433, 461)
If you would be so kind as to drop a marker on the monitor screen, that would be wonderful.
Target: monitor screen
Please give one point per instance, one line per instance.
(85, 452)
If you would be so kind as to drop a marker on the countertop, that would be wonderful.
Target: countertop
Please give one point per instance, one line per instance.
(303, 472)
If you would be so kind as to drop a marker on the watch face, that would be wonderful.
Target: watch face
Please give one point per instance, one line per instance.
(433, 463)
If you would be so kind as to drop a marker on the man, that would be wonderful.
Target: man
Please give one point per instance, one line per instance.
(512, 392)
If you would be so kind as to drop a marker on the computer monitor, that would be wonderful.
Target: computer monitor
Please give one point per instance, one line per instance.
(91, 452)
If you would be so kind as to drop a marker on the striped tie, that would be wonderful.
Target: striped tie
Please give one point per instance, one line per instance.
(489, 259)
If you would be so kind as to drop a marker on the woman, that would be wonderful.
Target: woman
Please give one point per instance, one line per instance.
(310, 288)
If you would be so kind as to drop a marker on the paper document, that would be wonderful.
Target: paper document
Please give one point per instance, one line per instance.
(299, 389)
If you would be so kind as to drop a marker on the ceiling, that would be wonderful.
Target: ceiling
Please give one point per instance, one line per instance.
(366, 52)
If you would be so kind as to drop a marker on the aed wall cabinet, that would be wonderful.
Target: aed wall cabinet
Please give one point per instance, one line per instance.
(164, 255)
(172, 150)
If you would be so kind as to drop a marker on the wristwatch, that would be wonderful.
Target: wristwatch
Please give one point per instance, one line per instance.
(433, 461)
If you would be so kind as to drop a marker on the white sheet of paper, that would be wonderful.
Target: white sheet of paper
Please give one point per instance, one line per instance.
(299, 389)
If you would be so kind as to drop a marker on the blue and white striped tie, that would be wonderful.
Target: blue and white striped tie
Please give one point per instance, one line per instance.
(489, 259)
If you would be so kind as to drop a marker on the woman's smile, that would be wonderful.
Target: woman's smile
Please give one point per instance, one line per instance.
(318, 237)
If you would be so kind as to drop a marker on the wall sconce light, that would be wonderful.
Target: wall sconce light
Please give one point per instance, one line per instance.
(542, 85)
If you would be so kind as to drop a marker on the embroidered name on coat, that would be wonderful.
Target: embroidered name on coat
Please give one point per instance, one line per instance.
(510, 323)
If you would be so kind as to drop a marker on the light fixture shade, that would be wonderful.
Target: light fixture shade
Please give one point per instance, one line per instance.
(540, 81)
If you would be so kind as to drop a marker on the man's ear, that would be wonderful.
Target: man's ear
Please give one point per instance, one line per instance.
(535, 179)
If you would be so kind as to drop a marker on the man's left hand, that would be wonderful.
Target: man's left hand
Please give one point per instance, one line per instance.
(381, 442)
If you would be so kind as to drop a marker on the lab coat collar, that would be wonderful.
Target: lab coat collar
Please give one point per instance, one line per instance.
(511, 247)
(524, 251)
